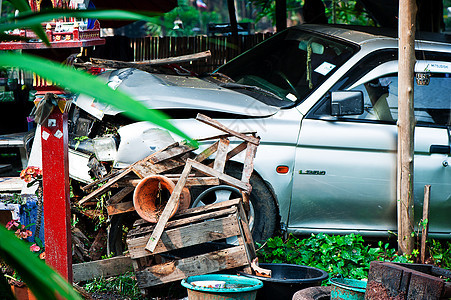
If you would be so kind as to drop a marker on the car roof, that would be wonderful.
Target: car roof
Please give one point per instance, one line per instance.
(362, 34)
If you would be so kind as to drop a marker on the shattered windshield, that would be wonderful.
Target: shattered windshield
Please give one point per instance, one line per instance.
(290, 65)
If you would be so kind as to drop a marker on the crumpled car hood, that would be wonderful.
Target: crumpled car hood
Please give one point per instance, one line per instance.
(159, 91)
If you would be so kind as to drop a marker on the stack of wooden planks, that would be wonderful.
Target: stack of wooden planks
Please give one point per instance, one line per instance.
(192, 229)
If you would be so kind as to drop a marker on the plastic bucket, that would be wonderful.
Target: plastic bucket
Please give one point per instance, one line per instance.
(347, 289)
(287, 279)
(235, 287)
(152, 194)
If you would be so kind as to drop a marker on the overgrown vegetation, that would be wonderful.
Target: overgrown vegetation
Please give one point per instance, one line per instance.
(184, 20)
(124, 285)
(440, 252)
(348, 255)
(338, 11)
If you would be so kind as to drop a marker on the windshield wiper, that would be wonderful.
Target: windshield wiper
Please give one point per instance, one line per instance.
(238, 86)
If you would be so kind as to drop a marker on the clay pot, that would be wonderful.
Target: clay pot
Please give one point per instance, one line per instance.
(22, 293)
(152, 194)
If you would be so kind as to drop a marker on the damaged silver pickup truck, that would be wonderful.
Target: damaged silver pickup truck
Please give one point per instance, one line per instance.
(324, 102)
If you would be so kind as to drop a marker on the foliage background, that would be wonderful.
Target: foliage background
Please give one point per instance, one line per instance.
(259, 12)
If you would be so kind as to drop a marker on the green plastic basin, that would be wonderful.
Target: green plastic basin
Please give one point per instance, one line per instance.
(347, 289)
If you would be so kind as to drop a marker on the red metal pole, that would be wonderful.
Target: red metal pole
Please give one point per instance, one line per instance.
(55, 167)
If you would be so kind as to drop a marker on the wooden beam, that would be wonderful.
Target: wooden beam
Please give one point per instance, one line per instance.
(406, 125)
(170, 206)
(120, 208)
(207, 152)
(154, 62)
(102, 268)
(217, 125)
(116, 198)
(223, 177)
(104, 188)
(221, 154)
(186, 236)
(187, 216)
(227, 135)
(145, 168)
(237, 150)
(101, 180)
(195, 265)
(135, 167)
(171, 153)
(190, 181)
(248, 167)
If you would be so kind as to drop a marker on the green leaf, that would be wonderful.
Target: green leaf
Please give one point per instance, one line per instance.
(78, 81)
(21, 5)
(43, 281)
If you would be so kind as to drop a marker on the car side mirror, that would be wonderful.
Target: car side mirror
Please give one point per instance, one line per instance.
(345, 103)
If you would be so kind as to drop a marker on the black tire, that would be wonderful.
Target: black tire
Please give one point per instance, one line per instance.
(28, 141)
(313, 293)
(266, 213)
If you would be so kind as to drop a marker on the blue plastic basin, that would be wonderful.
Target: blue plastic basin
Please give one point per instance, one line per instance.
(236, 287)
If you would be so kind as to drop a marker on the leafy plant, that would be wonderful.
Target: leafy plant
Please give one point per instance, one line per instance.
(349, 12)
(125, 285)
(42, 280)
(441, 253)
(347, 255)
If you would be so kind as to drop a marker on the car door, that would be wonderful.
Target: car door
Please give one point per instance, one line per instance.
(345, 175)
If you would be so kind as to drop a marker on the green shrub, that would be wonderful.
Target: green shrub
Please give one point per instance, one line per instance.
(348, 255)
(124, 285)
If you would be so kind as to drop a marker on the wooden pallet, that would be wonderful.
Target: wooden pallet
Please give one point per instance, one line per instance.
(184, 248)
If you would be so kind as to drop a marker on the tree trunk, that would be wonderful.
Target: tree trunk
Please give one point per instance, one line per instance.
(281, 15)
(233, 21)
(406, 125)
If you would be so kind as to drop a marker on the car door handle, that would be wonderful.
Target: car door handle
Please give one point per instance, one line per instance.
(440, 149)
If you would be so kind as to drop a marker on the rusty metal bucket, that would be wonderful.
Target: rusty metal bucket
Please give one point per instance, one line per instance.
(152, 194)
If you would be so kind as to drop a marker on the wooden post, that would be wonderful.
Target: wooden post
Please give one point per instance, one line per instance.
(425, 223)
(55, 167)
(406, 124)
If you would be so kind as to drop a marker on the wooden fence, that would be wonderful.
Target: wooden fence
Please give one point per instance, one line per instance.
(223, 48)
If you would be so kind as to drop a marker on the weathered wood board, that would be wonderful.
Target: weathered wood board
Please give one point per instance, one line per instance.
(102, 268)
(186, 238)
(195, 265)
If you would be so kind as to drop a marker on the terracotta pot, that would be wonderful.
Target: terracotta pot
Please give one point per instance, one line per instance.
(22, 293)
(152, 194)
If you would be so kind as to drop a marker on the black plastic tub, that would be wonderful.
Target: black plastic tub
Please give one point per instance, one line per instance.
(286, 280)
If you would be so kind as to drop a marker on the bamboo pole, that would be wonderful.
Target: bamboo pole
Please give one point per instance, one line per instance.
(425, 222)
(406, 125)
